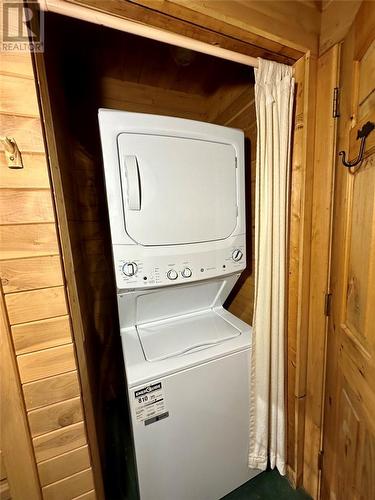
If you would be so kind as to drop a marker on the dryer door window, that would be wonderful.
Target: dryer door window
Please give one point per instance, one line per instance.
(177, 190)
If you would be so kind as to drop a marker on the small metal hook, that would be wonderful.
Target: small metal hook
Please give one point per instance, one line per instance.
(361, 134)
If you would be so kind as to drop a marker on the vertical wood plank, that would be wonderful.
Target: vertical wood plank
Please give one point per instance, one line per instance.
(324, 159)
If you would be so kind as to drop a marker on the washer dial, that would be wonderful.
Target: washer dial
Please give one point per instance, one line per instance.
(130, 269)
(237, 255)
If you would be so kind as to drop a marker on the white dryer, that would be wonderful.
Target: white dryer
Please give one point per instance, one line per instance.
(175, 191)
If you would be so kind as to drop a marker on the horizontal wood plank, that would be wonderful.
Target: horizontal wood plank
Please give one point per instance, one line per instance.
(70, 487)
(17, 63)
(64, 465)
(34, 173)
(28, 240)
(5, 490)
(36, 304)
(41, 364)
(25, 130)
(18, 96)
(57, 442)
(24, 206)
(56, 416)
(28, 274)
(37, 335)
(90, 495)
(51, 390)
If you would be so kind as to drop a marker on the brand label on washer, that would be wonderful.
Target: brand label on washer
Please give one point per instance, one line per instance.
(149, 402)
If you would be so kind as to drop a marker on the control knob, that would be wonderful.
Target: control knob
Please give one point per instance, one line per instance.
(237, 255)
(186, 273)
(172, 274)
(130, 269)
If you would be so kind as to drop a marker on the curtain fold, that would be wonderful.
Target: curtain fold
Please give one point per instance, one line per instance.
(274, 94)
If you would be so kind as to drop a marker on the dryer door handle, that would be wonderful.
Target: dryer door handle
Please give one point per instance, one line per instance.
(133, 182)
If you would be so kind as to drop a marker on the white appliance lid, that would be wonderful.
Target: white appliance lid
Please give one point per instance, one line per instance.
(177, 190)
(184, 334)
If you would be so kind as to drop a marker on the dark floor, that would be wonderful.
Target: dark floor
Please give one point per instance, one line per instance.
(121, 473)
(267, 486)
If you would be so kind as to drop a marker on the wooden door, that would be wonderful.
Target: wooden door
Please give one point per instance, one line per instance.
(349, 428)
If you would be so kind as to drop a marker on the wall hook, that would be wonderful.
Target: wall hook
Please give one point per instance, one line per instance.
(12, 153)
(361, 134)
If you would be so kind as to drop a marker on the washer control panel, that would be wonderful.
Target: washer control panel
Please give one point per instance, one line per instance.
(132, 272)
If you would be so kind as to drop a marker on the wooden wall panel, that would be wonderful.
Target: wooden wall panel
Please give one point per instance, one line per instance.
(28, 240)
(27, 274)
(299, 260)
(64, 465)
(26, 130)
(37, 335)
(70, 487)
(51, 390)
(25, 207)
(59, 441)
(55, 416)
(33, 175)
(47, 363)
(90, 495)
(13, 89)
(35, 304)
(17, 450)
(324, 159)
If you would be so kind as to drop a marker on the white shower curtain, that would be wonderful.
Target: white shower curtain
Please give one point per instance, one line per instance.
(274, 90)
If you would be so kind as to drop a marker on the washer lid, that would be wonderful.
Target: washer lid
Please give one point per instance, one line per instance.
(184, 334)
(177, 190)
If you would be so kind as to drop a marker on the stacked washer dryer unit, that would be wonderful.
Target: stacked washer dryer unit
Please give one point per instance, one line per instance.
(175, 191)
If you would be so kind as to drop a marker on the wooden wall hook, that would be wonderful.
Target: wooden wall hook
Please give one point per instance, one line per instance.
(12, 153)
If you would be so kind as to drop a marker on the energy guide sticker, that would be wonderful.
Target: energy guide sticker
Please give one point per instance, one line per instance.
(149, 402)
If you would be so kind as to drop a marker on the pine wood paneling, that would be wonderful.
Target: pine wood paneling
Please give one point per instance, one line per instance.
(34, 173)
(36, 304)
(32, 278)
(40, 364)
(26, 130)
(202, 25)
(17, 63)
(118, 94)
(324, 158)
(3, 472)
(64, 465)
(5, 490)
(21, 206)
(55, 416)
(70, 487)
(15, 437)
(37, 335)
(90, 495)
(51, 390)
(60, 441)
(11, 90)
(27, 274)
(28, 240)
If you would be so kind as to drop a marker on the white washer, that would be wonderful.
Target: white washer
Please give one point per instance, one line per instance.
(175, 192)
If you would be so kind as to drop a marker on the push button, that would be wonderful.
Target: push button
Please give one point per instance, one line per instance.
(172, 274)
(186, 273)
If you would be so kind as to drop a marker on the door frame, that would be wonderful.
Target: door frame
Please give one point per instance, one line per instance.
(301, 209)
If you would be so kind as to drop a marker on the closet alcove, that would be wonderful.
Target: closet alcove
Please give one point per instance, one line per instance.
(89, 67)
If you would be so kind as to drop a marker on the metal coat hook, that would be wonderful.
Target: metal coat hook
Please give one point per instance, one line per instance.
(361, 134)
